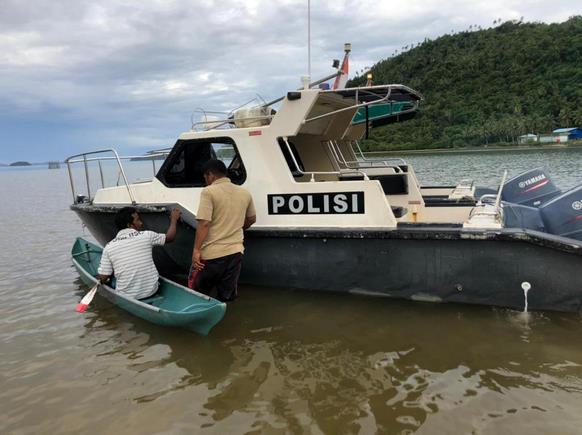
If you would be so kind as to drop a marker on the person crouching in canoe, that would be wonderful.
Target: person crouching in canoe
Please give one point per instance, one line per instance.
(129, 254)
(225, 210)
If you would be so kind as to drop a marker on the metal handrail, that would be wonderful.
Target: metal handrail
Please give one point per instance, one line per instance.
(381, 163)
(218, 123)
(314, 173)
(135, 158)
(413, 109)
(334, 152)
(221, 122)
(82, 158)
(151, 157)
(494, 198)
(205, 113)
(339, 155)
(498, 199)
(397, 159)
(311, 85)
(488, 198)
(357, 105)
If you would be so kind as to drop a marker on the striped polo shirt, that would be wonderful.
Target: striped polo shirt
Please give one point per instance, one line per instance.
(129, 257)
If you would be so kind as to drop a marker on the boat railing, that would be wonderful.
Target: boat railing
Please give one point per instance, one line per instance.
(311, 85)
(368, 96)
(335, 148)
(489, 205)
(86, 160)
(312, 174)
(253, 113)
(207, 116)
(494, 199)
(363, 96)
(397, 160)
(248, 121)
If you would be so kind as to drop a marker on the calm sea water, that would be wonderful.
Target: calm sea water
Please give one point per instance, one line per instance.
(280, 362)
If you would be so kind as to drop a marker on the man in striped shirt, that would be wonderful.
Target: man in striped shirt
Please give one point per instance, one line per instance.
(129, 254)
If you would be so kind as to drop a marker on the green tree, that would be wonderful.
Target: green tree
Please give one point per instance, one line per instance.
(486, 86)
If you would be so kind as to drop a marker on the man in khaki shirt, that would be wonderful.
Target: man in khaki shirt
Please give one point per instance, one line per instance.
(225, 210)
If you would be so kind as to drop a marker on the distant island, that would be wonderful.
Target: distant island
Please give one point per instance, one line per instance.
(21, 164)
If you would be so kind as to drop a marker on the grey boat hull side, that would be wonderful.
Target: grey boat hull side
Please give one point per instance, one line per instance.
(438, 264)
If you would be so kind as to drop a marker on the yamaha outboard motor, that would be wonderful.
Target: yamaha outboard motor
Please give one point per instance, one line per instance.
(522, 216)
(532, 188)
(563, 215)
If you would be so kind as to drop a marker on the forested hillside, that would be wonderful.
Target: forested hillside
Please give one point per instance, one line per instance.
(486, 86)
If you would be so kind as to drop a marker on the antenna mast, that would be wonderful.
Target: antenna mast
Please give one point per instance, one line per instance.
(309, 38)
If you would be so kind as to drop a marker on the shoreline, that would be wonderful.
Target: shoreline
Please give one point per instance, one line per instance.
(479, 149)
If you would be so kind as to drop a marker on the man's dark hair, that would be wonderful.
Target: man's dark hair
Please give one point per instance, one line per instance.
(124, 217)
(217, 167)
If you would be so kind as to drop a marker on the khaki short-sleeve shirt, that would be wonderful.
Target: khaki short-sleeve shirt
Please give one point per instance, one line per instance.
(225, 206)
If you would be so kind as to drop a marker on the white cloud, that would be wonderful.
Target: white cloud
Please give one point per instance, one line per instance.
(124, 63)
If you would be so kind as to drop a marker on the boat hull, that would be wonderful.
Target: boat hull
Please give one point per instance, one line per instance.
(437, 264)
(173, 305)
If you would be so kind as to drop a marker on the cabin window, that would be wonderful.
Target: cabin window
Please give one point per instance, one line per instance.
(183, 167)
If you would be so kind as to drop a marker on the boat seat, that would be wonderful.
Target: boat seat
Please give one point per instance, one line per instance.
(152, 299)
(392, 184)
(375, 172)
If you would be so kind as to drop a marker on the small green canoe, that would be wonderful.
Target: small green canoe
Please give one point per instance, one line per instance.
(173, 304)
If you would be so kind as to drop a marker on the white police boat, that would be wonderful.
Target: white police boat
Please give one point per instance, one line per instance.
(329, 219)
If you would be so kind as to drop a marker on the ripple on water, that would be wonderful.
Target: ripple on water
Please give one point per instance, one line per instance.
(280, 361)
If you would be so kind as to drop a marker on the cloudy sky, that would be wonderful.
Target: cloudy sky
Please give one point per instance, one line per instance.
(77, 75)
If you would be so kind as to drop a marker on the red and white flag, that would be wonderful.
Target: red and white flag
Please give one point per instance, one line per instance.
(342, 79)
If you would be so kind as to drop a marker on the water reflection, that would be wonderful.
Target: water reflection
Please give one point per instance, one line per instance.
(306, 363)
(486, 168)
(280, 362)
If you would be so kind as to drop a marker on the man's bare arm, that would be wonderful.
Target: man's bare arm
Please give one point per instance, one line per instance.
(171, 233)
(103, 278)
(249, 221)
(202, 229)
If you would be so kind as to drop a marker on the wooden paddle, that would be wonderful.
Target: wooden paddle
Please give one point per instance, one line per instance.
(82, 306)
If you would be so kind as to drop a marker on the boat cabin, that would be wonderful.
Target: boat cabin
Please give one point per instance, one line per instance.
(302, 163)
